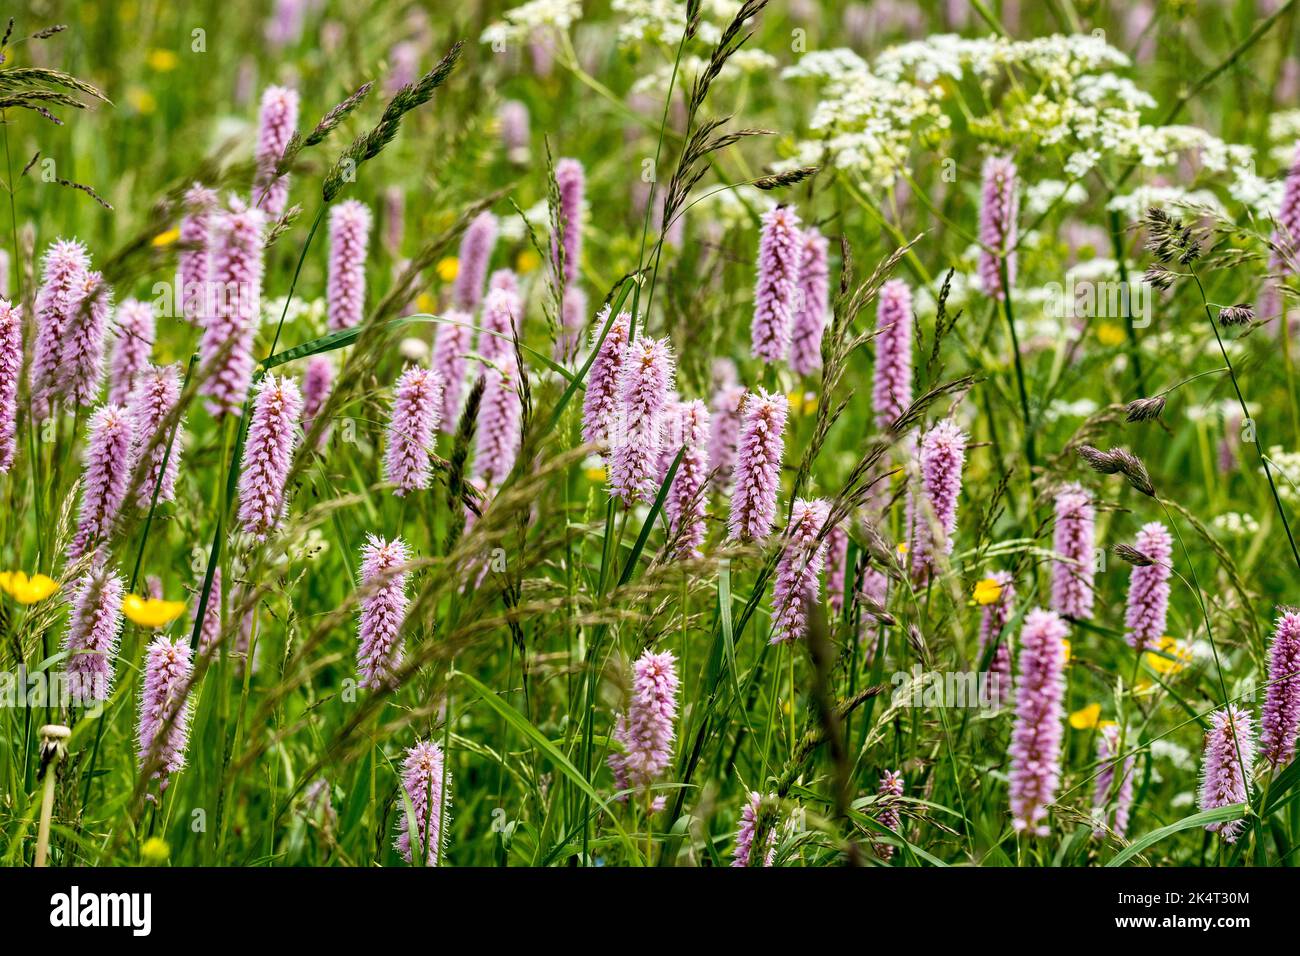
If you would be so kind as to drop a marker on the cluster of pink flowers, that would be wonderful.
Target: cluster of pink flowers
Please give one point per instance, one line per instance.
(199, 204)
(687, 503)
(63, 281)
(133, 331)
(499, 424)
(1280, 720)
(645, 379)
(423, 776)
(744, 853)
(993, 628)
(165, 708)
(812, 304)
(233, 290)
(999, 210)
(11, 366)
(1073, 542)
(383, 611)
(933, 509)
(601, 401)
(798, 571)
(1225, 771)
(647, 730)
(268, 454)
(152, 399)
(350, 223)
(104, 481)
(1148, 589)
(758, 467)
(277, 120)
(472, 265)
(451, 347)
(417, 406)
(1103, 799)
(94, 627)
(891, 391)
(780, 255)
(891, 788)
(1036, 737)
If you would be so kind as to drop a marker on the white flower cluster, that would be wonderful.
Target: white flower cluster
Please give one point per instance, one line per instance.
(1133, 205)
(664, 21)
(1236, 525)
(519, 23)
(741, 62)
(1286, 468)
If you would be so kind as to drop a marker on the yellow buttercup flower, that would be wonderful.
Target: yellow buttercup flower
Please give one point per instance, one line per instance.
(1065, 646)
(1179, 656)
(987, 590)
(448, 268)
(595, 473)
(424, 302)
(902, 549)
(802, 402)
(1108, 333)
(164, 61)
(527, 260)
(141, 100)
(27, 590)
(167, 238)
(155, 850)
(151, 612)
(1086, 717)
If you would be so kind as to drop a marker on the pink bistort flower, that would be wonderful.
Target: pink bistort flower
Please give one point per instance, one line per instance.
(104, 481)
(268, 453)
(417, 404)
(90, 641)
(647, 376)
(383, 611)
(11, 367)
(780, 254)
(1280, 720)
(999, 209)
(1228, 761)
(758, 467)
(423, 776)
(350, 223)
(276, 121)
(798, 570)
(647, 730)
(1036, 737)
(1148, 588)
(165, 708)
(1073, 542)
(133, 334)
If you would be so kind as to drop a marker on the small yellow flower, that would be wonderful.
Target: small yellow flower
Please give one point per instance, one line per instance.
(1108, 333)
(141, 100)
(902, 550)
(155, 850)
(527, 261)
(1103, 724)
(1179, 656)
(424, 302)
(987, 590)
(27, 590)
(1086, 718)
(448, 268)
(166, 238)
(595, 473)
(802, 402)
(164, 61)
(1065, 646)
(151, 612)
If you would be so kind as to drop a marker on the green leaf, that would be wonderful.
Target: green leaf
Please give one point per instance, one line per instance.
(1233, 811)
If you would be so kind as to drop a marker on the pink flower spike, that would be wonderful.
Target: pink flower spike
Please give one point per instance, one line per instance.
(647, 730)
(231, 306)
(1073, 542)
(601, 401)
(133, 333)
(317, 382)
(11, 367)
(779, 259)
(1148, 588)
(724, 436)
(499, 423)
(452, 343)
(1226, 768)
(812, 305)
(94, 626)
(199, 205)
(999, 209)
(758, 467)
(942, 455)
(686, 503)
(889, 791)
(350, 223)
(165, 708)
(63, 272)
(1280, 721)
(475, 254)
(81, 361)
(1036, 737)
(571, 180)
(837, 556)
(103, 483)
(505, 280)
(383, 611)
(502, 312)
(423, 776)
(268, 453)
(417, 404)
(647, 376)
(277, 120)
(798, 570)
(745, 833)
(155, 395)
(210, 632)
(891, 391)
(1104, 796)
(993, 627)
